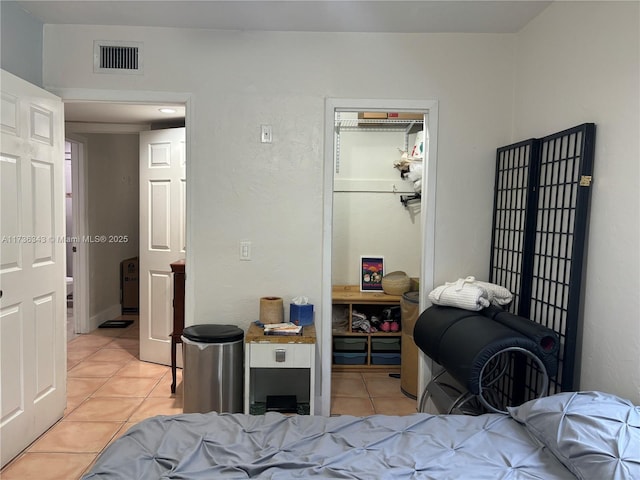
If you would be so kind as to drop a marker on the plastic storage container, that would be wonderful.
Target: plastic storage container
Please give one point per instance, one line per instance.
(349, 344)
(385, 358)
(346, 358)
(212, 373)
(385, 344)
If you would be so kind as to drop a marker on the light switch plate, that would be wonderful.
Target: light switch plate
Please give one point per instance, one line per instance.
(245, 250)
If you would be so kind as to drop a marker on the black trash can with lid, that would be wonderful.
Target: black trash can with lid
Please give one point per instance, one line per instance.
(212, 374)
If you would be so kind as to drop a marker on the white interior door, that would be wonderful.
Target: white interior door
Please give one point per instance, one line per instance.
(32, 265)
(162, 236)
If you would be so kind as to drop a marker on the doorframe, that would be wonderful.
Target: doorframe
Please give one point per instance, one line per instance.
(427, 213)
(80, 227)
(153, 98)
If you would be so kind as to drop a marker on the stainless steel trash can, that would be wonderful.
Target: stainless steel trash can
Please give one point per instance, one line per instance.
(212, 374)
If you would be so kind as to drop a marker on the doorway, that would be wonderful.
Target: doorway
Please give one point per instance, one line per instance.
(424, 210)
(90, 121)
(77, 275)
(379, 158)
(68, 194)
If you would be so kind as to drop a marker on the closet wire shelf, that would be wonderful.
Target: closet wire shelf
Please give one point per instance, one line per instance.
(373, 125)
(377, 124)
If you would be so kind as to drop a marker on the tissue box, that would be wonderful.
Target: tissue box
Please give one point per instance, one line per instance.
(301, 314)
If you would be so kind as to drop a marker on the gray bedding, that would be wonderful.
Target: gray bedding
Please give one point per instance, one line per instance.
(274, 446)
(592, 435)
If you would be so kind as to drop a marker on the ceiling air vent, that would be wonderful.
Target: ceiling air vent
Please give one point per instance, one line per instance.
(117, 57)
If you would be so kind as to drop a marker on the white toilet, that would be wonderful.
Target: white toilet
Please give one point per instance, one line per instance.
(69, 286)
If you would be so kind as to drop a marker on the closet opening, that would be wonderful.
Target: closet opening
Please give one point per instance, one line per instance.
(378, 183)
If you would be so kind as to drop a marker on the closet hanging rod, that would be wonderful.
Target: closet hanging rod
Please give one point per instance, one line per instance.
(342, 190)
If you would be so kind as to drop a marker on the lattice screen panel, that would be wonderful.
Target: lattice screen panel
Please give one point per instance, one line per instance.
(515, 166)
(541, 208)
(566, 165)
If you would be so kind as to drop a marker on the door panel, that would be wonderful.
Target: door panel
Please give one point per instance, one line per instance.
(183, 213)
(160, 203)
(9, 113)
(42, 205)
(32, 265)
(161, 302)
(45, 324)
(11, 328)
(162, 214)
(41, 125)
(11, 215)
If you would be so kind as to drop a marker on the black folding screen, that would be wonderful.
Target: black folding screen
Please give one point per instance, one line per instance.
(541, 207)
(514, 192)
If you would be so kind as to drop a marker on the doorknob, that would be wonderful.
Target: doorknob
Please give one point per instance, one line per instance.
(74, 249)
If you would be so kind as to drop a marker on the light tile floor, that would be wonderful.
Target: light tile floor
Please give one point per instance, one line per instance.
(368, 393)
(109, 389)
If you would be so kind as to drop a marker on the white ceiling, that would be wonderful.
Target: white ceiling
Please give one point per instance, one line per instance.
(388, 16)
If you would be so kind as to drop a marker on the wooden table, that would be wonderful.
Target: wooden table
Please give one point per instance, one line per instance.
(279, 365)
(178, 314)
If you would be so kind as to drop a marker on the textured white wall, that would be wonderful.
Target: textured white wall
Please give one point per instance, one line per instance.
(272, 194)
(373, 222)
(579, 62)
(20, 43)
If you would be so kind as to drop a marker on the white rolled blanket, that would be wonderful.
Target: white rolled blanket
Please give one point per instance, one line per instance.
(469, 294)
(498, 295)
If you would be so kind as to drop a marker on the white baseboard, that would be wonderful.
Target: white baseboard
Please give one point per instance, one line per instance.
(109, 313)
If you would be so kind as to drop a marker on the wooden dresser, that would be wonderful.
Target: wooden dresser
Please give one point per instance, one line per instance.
(178, 314)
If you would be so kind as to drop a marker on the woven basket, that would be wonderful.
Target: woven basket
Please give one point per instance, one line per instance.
(396, 283)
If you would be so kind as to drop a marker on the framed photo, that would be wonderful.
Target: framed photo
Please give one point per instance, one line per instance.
(371, 273)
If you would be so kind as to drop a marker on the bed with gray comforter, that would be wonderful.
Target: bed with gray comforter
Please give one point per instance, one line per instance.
(586, 435)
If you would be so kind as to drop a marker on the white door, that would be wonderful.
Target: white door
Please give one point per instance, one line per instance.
(162, 236)
(32, 265)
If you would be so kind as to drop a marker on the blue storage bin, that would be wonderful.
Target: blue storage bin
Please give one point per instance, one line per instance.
(385, 359)
(346, 358)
